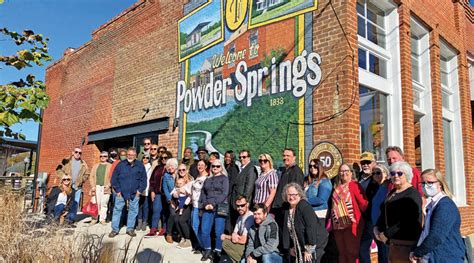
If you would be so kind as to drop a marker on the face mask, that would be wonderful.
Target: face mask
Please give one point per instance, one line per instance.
(430, 191)
(123, 157)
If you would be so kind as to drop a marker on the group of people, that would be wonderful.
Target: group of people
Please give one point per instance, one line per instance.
(254, 213)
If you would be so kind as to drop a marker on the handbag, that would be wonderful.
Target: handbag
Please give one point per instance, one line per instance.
(91, 208)
(223, 209)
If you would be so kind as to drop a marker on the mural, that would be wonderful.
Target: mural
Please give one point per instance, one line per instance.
(252, 90)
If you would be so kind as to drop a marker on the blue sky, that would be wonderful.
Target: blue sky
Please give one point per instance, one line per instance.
(67, 23)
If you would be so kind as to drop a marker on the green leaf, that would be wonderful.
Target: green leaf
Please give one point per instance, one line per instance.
(9, 118)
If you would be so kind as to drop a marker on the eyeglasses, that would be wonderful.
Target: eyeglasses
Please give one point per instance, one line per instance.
(163, 157)
(154, 149)
(313, 166)
(182, 170)
(215, 166)
(263, 161)
(161, 151)
(397, 173)
(147, 143)
(292, 195)
(66, 179)
(377, 173)
(148, 158)
(242, 205)
(78, 152)
(365, 162)
(429, 183)
(104, 156)
(243, 157)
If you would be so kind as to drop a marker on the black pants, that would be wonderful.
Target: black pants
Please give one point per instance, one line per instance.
(183, 222)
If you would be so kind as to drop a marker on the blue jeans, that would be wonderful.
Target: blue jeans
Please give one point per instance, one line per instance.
(268, 258)
(195, 221)
(143, 208)
(157, 209)
(366, 241)
(75, 205)
(132, 213)
(210, 218)
(58, 210)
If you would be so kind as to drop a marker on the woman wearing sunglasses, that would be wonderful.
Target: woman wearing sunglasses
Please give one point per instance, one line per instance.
(214, 193)
(266, 183)
(318, 188)
(100, 183)
(399, 223)
(61, 200)
(181, 203)
(440, 240)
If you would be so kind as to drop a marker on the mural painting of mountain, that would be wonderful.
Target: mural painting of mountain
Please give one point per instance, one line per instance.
(264, 12)
(200, 29)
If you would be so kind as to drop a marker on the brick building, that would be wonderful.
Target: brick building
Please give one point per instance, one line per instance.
(407, 64)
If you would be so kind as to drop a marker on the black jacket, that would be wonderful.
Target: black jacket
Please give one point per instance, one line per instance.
(53, 198)
(289, 175)
(243, 184)
(309, 228)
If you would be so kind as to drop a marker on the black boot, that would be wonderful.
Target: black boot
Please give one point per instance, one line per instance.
(207, 255)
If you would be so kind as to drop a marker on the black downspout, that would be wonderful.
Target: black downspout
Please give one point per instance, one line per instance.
(38, 147)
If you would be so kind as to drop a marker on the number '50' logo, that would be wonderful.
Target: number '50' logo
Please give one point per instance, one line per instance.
(235, 12)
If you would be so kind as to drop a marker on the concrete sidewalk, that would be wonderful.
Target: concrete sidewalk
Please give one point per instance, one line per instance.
(154, 249)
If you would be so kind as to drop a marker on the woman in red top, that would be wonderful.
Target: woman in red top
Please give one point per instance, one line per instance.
(348, 203)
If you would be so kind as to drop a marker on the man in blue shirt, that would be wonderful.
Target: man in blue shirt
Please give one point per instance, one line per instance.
(128, 182)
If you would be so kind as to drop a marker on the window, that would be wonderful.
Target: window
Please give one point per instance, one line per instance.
(253, 41)
(379, 76)
(422, 104)
(371, 22)
(452, 130)
(232, 51)
(373, 120)
(372, 63)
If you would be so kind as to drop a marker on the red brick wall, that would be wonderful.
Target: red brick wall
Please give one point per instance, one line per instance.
(128, 65)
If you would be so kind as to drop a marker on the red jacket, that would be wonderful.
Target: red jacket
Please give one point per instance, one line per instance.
(359, 201)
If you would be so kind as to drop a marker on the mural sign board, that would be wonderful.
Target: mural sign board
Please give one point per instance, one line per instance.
(248, 74)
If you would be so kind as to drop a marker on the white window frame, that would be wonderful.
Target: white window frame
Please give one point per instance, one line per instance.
(421, 35)
(391, 86)
(454, 115)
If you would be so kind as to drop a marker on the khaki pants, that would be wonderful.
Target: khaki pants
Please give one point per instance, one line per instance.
(102, 202)
(235, 251)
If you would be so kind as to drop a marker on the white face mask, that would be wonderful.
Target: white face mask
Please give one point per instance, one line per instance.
(430, 191)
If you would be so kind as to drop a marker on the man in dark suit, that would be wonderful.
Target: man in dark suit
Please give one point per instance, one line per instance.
(242, 184)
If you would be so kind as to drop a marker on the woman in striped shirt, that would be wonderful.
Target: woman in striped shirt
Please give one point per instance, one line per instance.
(266, 184)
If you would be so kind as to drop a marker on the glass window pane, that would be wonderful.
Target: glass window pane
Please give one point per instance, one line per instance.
(448, 152)
(375, 35)
(373, 119)
(417, 98)
(445, 100)
(377, 65)
(444, 78)
(361, 27)
(375, 14)
(362, 58)
(360, 7)
(415, 69)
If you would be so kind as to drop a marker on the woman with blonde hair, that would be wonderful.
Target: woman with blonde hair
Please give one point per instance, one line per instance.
(61, 199)
(266, 183)
(441, 238)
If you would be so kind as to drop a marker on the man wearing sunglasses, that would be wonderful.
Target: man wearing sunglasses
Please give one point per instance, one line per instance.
(146, 148)
(234, 244)
(242, 184)
(370, 186)
(79, 171)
